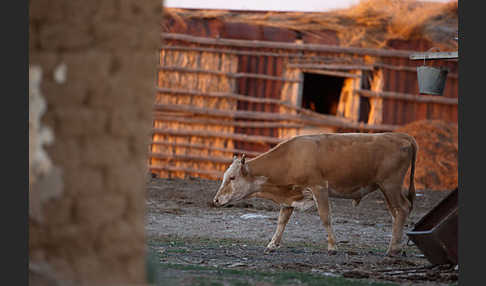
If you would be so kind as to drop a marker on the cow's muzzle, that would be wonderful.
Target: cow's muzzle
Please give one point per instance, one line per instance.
(216, 202)
(220, 201)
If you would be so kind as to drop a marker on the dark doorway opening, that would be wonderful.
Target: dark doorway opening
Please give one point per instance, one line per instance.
(321, 93)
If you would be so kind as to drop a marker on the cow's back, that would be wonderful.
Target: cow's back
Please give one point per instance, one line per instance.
(346, 160)
(353, 160)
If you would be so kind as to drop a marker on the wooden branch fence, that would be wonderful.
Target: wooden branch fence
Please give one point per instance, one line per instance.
(407, 68)
(206, 133)
(228, 74)
(331, 66)
(245, 124)
(302, 56)
(286, 46)
(408, 97)
(307, 120)
(206, 147)
(332, 73)
(175, 142)
(178, 113)
(183, 157)
(214, 174)
(242, 97)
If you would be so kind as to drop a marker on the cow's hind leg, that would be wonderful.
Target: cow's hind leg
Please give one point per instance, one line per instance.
(283, 218)
(399, 208)
(321, 196)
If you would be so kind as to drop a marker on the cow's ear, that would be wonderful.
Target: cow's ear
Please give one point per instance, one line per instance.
(243, 158)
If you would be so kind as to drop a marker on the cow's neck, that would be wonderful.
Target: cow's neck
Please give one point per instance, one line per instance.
(282, 195)
(260, 166)
(267, 190)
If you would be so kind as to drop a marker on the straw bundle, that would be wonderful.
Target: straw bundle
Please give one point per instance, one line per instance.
(437, 157)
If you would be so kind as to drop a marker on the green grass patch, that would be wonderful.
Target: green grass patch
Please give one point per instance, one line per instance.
(206, 275)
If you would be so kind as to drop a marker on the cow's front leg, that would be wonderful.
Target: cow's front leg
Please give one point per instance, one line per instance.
(321, 196)
(283, 218)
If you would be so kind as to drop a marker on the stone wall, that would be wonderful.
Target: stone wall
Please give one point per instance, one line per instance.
(98, 61)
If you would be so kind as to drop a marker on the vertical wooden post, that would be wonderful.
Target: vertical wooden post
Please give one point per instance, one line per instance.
(376, 103)
(292, 93)
(349, 101)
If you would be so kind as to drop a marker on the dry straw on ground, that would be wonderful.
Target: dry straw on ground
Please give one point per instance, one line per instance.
(437, 158)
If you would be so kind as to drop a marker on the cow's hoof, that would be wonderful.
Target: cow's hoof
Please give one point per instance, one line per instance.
(332, 252)
(269, 250)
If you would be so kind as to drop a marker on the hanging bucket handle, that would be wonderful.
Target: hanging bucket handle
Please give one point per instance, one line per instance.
(431, 80)
(429, 50)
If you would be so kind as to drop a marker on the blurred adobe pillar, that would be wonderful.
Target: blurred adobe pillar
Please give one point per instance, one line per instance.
(94, 67)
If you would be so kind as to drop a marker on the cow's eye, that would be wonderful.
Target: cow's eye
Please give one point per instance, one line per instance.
(232, 178)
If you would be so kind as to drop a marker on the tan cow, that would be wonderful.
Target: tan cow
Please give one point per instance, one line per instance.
(308, 169)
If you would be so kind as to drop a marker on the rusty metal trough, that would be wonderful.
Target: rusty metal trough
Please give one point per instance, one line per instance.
(435, 234)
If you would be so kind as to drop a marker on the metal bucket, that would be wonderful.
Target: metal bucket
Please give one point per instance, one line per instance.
(431, 80)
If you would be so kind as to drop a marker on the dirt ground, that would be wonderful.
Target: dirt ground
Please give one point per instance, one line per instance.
(189, 237)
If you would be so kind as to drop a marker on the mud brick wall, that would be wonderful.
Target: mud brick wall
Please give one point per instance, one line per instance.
(98, 62)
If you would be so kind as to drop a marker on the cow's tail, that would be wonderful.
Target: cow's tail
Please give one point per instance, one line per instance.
(411, 189)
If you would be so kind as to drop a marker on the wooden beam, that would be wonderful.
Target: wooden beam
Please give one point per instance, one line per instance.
(224, 113)
(205, 133)
(229, 51)
(332, 73)
(408, 68)
(225, 95)
(311, 59)
(328, 120)
(184, 157)
(254, 99)
(409, 97)
(247, 124)
(286, 46)
(434, 55)
(300, 56)
(206, 147)
(395, 68)
(215, 174)
(322, 119)
(331, 66)
(228, 74)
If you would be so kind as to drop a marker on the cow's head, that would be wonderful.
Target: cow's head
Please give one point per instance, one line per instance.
(237, 183)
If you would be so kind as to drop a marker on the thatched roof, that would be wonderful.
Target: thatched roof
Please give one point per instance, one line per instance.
(371, 23)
